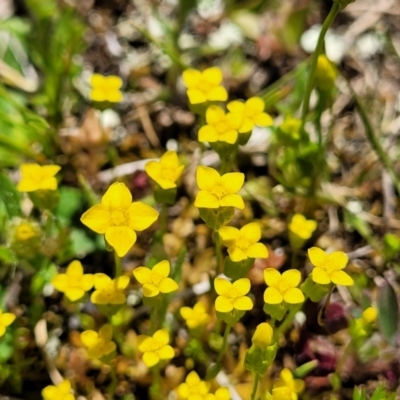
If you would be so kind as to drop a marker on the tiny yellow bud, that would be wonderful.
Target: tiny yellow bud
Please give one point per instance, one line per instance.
(263, 335)
(369, 315)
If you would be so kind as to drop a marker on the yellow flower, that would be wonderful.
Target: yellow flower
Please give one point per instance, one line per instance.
(98, 344)
(325, 74)
(251, 113)
(328, 267)
(109, 291)
(60, 392)
(218, 191)
(204, 86)
(156, 347)
(26, 230)
(155, 280)
(220, 126)
(243, 243)
(232, 295)
(193, 388)
(369, 315)
(296, 386)
(282, 393)
(302, 227)
(73, 283)
(118, 218)
(222, 393)
(106, 88)
(35, 177)
(195, 316)
(282, 287)
(166, 171)
(263, 335)
(6, 319)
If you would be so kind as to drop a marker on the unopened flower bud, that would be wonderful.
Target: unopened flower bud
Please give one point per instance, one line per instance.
(263, 335)
(369, 315)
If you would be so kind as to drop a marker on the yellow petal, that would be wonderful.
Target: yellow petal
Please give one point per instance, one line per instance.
(166, 353)
(114, 96)
(97, 80)
(7, 319)
(153, 170)
(150, 290)
(236, 106)
(121, 238)
(257, 250)
(222, 286)
(106, 332)
(213, 75)
(228, 235)
(98, 95)
(117, 298)
(193, 379)
(141, 216)
(89, 338)
(113, 82)
(207, 133)
(109, 348)
(168, 285)
(48, 171)
(117, 197)
(183, 390)
(191, 77)
(60, 282)
(222, 393)
(232, 182)
(243, 303)
(298, 385)
(229, 136)
(214, 115)
(272, 277)
(178, 172)
(142, 274)
(337, 260)
(163, 268)
(246, 126)
(341, 278)
(186, 312)
(242, 286)
(292, 277)
(50, 393)
(252, 232)
(320, 276)
(207, 178)
(206, 200)
(122, 282)
(75, 270)
(87, 282)
(255, 105)
(65, 386)
(196, 96)
(293, 296)
(74, 294)
(97, 218)
(263, 119)
(272, 296)
(317, 256)
(150, 359)
(222, 304)
(101, 281)
(161, 336)
(232, 200)
(236, 254)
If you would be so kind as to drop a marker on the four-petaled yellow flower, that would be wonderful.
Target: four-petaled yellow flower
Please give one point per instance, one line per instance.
(328, 267)
(193, 388)
(106, 88)
(195, 316)
(98, 344)
(204, 86)
(35, 177)
(282, 287)
(232, 295)
(295, 386)
(60, 392)
(6, 319)
(74, 284)
(243, 243)
(155, 280)
(156, 347)
(302, 227)
(109, 291)
(218, 191)
(251, 113)
(263, 335)
(166, 171)
(118, 218)
(220, 126)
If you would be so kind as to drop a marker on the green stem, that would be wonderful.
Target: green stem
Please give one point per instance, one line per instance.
(163, 219)
(118, 265)
(218, 252)
(289, 319)
(310, 82)
(375, 143)
(224, 343)
(256, 380)
(114, 382)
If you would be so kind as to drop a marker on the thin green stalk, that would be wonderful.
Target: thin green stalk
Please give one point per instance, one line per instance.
(118, 265)
(163, 219)
(310, 82)
(218, 252)
(375, 143)
(224, 343)
(288, 320)
(114, 381)
(256, 380)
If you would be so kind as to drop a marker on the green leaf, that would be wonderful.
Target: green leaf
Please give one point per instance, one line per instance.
(7, 255)
(10, 196)
(216, 218)
(388, 307)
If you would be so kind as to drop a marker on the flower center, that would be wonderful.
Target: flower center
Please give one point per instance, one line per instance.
(283, 286)
(168, 174)
(219, 191)
(221, 127)
(243, 243)
(118, 218)
(204, 86)
(156, 279)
